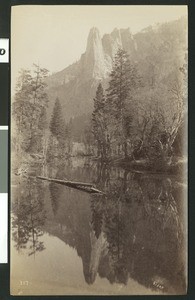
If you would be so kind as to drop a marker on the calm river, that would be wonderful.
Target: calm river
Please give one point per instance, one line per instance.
(131, 240)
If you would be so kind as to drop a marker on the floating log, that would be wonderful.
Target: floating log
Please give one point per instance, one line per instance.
(83, 186)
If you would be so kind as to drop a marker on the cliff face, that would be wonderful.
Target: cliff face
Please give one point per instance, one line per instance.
(96, 62)
(76, 85)
(93, 61)
(159, 47)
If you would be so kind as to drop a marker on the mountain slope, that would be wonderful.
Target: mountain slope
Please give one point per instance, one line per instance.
(157, 51)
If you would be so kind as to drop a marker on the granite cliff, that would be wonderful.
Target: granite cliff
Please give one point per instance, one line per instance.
(160, 47)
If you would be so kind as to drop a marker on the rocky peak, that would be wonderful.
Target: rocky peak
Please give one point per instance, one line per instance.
(93, 61)
(93, 39)
(76, 85)
(96, 62)
(98, 58)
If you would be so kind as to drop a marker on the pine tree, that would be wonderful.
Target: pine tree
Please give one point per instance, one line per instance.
(57, 121)
(123, 79)
(99, 122)
(58, 128)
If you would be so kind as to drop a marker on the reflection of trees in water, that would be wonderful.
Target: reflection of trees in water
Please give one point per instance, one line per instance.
(134, 231)
(140, 221)
(28, 216)
(161, 205)
(55, 192)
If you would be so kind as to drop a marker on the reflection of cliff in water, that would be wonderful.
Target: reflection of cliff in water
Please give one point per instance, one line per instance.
(134, 231)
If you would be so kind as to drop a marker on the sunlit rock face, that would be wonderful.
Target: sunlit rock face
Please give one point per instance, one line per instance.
(97, 61)
(93, 62)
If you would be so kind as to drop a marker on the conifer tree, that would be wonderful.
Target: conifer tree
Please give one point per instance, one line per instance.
(56, 126)
(123, 79)
(59, 142)
(99, 122)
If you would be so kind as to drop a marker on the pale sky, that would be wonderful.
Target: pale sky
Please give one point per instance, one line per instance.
(56, 36)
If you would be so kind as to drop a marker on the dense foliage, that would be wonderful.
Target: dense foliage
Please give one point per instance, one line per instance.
(135, 121)
(29, 110)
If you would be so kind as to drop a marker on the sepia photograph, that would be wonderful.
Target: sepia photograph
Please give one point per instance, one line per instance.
(99, 117)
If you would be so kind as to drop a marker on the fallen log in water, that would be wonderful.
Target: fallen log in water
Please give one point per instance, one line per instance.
(83, 186)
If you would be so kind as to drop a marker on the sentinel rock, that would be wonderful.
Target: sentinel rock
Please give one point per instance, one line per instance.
(76, 85)
(93, 65)
(96, 62)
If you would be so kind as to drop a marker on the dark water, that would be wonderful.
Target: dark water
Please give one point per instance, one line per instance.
(132, 240)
